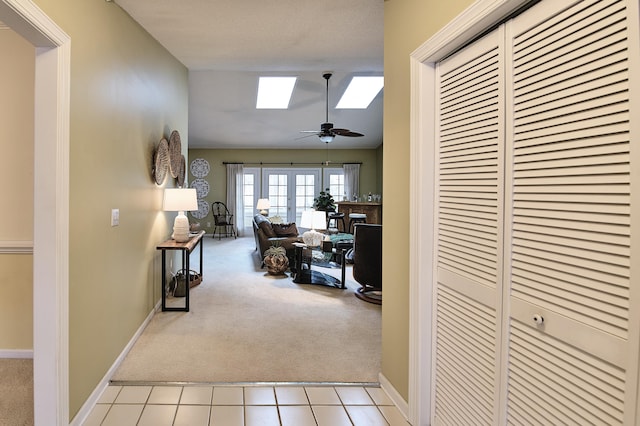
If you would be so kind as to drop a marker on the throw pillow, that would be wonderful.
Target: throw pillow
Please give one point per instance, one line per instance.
(267, 229)
(285, 229)
(276, 219)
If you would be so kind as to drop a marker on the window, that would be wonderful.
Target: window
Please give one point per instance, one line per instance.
(333, 179)
(278, 194)
(305, 192)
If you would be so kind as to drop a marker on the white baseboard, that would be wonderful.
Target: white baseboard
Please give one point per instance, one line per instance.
(16, 353)
(395, 396)
(88, 405)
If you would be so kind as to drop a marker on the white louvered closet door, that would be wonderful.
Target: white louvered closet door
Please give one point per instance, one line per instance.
(571, 217)
(470, 224)
(534, 321)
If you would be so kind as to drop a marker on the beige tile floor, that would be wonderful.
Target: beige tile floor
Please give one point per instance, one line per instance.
(280, 405)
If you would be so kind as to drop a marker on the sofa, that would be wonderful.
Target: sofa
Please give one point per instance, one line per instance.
(268, 234)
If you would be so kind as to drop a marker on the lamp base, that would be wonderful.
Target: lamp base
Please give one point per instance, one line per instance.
(264, 212)
(181, 228)
(313, 238)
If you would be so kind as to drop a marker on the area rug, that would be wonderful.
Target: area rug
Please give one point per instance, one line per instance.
(245, 325)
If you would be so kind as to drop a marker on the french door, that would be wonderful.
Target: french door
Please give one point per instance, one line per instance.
(290, 191)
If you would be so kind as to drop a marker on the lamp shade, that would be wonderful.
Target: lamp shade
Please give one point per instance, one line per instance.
(263, 203)
(313, 219)
(179, 199)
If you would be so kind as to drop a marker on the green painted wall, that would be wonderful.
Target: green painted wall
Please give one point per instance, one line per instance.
(16, 172)
(127, 92)
(407, 25)
(370, 169)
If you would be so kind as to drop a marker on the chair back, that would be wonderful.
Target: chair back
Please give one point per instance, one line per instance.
(221, 215)
(367, 255)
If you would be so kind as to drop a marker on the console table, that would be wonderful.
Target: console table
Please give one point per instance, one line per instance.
(307, 276)
(186, 248)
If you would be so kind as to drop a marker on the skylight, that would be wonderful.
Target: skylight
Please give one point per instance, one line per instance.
(274, 92)
(361, 92)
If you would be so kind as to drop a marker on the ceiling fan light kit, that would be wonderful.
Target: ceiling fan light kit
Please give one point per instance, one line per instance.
(327, 132)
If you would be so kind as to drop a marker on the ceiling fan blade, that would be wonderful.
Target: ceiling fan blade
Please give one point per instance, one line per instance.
(310, 131)
(346, 132)
(340, 131)
(305, 136)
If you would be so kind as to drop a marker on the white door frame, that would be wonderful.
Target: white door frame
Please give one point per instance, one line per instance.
(473, 21)
(51, 208)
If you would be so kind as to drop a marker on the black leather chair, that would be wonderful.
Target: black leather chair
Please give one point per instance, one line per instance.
(367, 261)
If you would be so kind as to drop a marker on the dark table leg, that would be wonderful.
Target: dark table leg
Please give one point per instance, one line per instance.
(342, 264)
(201, 249)
(185, 267)
(185, 254)
(297, 262)
(164, 280)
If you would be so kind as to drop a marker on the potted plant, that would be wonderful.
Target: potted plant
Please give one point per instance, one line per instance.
(275, 257)
(324, 201)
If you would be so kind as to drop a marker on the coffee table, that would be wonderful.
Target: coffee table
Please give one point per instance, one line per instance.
(303, 274)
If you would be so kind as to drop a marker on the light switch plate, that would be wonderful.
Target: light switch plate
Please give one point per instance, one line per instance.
(115, 217)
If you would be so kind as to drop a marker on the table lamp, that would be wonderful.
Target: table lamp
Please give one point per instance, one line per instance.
(180, 200)
(313, 219)
(263, 205)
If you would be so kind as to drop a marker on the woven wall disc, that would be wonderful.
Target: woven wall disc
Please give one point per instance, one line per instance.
(182, 171)
(161, 161)
(175, 153)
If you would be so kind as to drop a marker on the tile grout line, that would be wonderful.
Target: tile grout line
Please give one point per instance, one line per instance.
(277, 403)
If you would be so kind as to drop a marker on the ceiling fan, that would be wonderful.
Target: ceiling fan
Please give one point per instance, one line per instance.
(327, 132)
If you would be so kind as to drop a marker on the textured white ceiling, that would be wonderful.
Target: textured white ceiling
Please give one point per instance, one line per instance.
(227, 44)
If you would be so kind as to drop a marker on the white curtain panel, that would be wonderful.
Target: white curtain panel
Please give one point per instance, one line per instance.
(235, 203)
(351, 180)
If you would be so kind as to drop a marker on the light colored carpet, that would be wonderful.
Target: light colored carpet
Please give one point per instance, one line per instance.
(247, 326)
(16, 392)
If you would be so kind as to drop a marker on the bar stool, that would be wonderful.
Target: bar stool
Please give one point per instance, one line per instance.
(356, 218)
(335, 217)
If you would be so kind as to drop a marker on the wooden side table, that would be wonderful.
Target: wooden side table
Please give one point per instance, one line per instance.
(186, 248)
